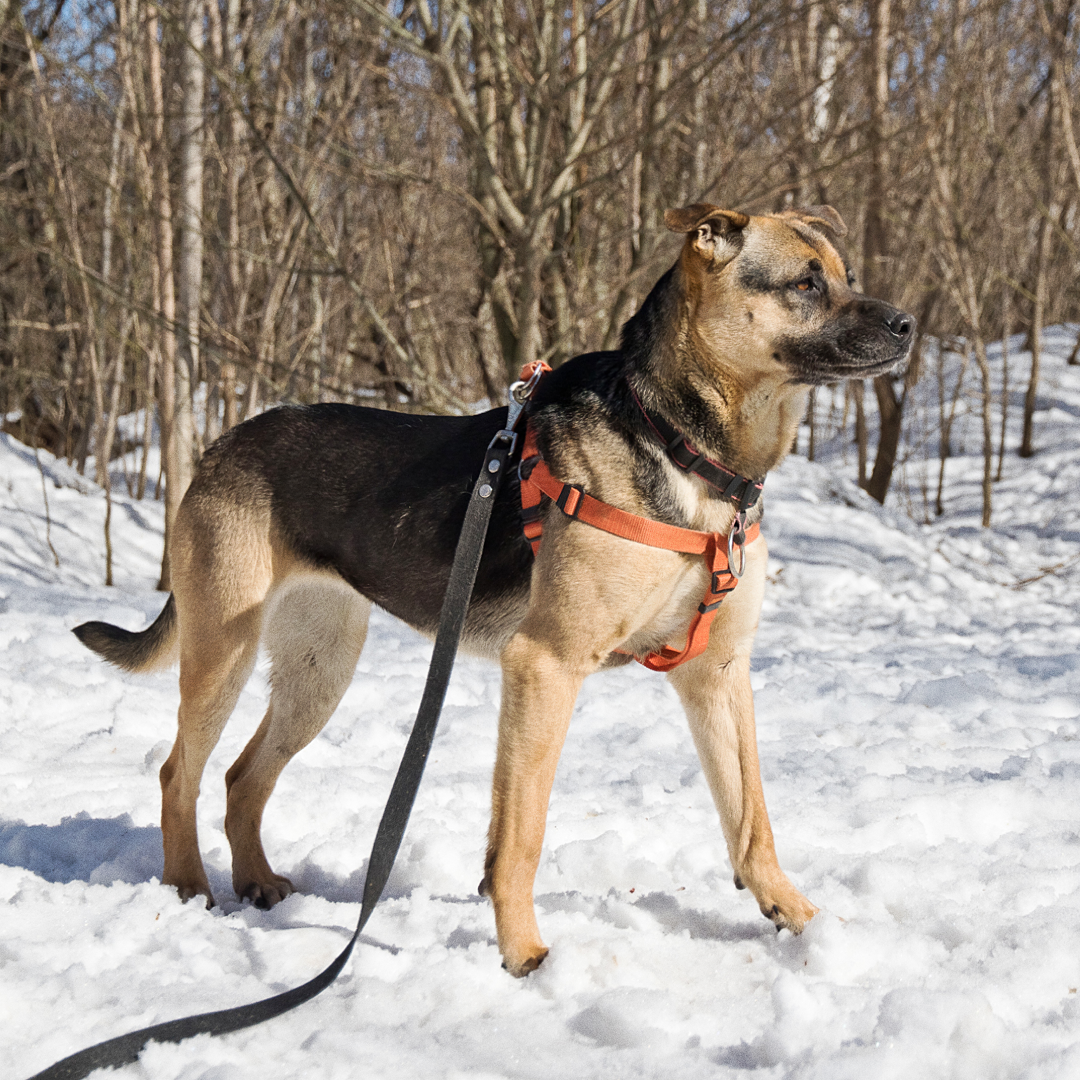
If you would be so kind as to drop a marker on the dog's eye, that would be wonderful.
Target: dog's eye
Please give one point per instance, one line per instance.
(806, 285)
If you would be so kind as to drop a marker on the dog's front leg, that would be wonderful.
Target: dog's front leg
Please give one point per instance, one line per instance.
(586, 589)
(538, 695)
(715, 691)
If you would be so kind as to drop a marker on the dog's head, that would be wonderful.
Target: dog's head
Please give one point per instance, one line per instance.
(777, 292)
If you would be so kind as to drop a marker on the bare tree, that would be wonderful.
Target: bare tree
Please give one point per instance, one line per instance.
(250, 201)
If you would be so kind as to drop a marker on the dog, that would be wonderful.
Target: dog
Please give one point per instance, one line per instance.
(301, 518)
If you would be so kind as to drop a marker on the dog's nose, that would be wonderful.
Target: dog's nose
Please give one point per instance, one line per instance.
(900, 325)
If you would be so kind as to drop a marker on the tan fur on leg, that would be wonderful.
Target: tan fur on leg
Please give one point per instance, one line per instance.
(222, 570)
(315, 630)
(537, 702)
(591, 592)
(215, 662)
(715, 691)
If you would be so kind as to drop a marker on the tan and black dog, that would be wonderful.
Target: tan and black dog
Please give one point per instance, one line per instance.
(301, 518)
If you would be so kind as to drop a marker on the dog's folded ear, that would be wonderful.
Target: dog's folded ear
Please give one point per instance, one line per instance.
(820, 216)
(718, 232)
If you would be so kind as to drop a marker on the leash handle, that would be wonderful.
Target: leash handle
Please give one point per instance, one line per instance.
(125, 1049)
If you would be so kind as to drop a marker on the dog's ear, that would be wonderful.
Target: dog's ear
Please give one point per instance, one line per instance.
(821, 216)
(718, 233)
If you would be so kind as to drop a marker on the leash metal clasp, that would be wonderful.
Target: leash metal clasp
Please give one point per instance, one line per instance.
(520, 392)
(737, 539)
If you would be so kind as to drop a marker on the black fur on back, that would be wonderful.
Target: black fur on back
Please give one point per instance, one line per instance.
(380, 496)
(641, 332)
(377, 496)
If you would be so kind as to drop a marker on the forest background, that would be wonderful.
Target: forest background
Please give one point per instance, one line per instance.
(211, 206)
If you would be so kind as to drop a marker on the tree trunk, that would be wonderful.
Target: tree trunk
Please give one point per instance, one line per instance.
(857, 391)
(891, 414)
(1046, 239)
(874, 235)
(875, 270)
(1006, 330)
(1027, 439)
(232, 56)
(654, 81)
(189, 287)
(974, 319)
(175, 475)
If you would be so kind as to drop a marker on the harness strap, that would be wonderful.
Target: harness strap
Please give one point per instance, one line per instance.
(571, 499)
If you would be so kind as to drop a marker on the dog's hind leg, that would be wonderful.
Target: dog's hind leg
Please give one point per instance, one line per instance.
(216, 658)
(315, 629)
(222, 571)
(715, 691)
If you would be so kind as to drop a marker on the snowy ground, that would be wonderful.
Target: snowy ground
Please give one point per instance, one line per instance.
(919, 722)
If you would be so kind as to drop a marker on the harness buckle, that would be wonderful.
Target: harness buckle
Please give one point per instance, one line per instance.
(717, 582)
(571, 499)
(737, 539)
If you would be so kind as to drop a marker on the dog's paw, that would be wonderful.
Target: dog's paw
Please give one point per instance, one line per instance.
(265, 894)
(189, 890)
(520, 968)
(792, 912)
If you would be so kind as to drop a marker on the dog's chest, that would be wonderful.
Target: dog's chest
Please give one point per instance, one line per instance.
(670, 622)
(700, 508)
(702, 511)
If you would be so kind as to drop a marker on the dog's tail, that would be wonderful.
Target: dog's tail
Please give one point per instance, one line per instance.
(148, 650)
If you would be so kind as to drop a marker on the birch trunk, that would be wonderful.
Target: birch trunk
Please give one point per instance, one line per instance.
(166, 335)
(189, 288)
(1042, 257)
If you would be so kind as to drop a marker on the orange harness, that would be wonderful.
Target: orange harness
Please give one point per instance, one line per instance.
(537, 480)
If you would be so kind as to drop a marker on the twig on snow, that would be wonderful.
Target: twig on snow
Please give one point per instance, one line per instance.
(45, 496)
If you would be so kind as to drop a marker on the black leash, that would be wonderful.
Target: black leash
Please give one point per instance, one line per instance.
(125, 1049)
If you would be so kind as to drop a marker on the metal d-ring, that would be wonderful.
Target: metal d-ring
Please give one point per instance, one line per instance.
(737, 539)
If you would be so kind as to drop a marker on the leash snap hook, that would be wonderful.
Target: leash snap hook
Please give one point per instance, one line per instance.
(737, 539)
(522, 390)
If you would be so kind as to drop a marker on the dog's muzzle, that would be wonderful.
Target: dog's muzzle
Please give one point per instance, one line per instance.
(866, 338)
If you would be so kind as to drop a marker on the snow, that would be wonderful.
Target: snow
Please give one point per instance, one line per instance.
(919, 727)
